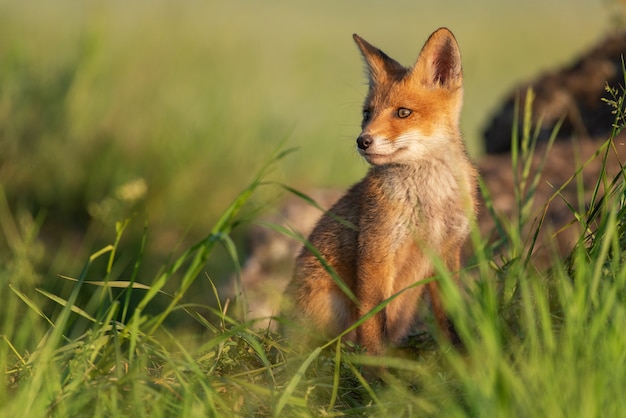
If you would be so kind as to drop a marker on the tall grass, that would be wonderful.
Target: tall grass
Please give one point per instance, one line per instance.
(88, 141)
(113, 359)
(536, 342)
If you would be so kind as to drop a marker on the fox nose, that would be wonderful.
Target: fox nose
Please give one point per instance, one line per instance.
(364, 141)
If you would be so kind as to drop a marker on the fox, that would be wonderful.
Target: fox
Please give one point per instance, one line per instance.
(414, 205)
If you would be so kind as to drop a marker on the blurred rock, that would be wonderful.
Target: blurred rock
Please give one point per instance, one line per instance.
(574, 92)
(560, 167)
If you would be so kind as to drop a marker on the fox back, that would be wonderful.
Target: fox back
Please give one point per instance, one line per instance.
(413, 206)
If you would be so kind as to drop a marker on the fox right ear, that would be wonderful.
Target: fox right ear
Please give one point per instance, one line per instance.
(380, 67)
(439, 63)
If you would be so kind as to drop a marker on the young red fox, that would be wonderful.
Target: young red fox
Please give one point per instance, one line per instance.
(414, 204)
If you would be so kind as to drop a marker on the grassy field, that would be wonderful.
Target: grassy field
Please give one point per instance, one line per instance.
(126, 131)
(536, 342)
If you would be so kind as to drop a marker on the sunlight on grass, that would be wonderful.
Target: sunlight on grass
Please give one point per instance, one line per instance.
(126, 128)
(537, 342)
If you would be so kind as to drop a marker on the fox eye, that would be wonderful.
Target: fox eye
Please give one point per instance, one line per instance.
(403, 112)
(366, 114)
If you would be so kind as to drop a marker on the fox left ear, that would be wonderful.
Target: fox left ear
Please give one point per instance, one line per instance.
(439, 62)
(380, 67)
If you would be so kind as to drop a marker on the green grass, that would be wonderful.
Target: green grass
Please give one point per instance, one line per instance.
(126, 130)
(537, 342)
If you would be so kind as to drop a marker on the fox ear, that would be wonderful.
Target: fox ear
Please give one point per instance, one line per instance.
(380, 67)
(439, 63)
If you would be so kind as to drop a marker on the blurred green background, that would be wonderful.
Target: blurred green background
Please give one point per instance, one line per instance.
(166, 109)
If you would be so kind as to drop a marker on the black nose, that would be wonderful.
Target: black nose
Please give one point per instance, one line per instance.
(364, 141)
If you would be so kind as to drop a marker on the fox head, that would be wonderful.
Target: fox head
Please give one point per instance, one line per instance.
(411, 112)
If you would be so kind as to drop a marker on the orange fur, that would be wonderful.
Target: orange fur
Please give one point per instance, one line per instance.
(415, 203)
